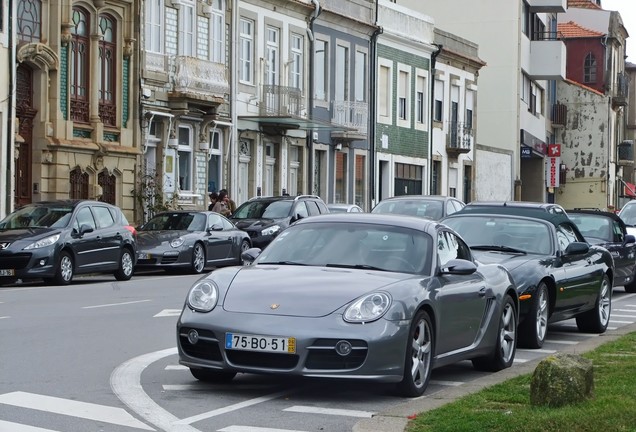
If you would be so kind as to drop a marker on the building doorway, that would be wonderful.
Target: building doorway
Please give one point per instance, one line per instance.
(25, 113)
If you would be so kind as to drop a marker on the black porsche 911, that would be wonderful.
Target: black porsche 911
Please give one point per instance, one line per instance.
(189, 240)
(608, 230)
(558, 274)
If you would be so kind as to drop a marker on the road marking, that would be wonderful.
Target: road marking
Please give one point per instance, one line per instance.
(125, 381)
(234, 407)
(4, 317)
(177, 367)
(254, 429)
(611, 328)
(168, 313)
(73, 408)
(574, 333)
(17, 427)
(115, 304)
(446, 383)
(561, 342)
(330, 411)
(620, 322)
(208, 387)
(519, 360)
(539, 351)
(624, 310)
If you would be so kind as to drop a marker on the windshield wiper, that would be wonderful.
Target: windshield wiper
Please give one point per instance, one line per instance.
(284, 263)
(499, 248)
(356, 266)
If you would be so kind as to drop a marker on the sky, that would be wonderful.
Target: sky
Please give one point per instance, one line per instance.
(627, 9)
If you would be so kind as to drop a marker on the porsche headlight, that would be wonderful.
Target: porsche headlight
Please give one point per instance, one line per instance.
(178, 242)
(367, 308)
(203, 296)
(271, 230)
(47, 241)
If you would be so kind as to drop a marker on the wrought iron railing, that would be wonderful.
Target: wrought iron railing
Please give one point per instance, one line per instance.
(351, 114)
(460, 136)
(559, 114)
(279, 100)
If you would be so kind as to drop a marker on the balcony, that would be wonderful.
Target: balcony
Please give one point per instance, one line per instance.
(547, 57)
(281, 101)
(548, 6)
(352, 115)
(559, 115)
(200, 80)
(620, 91)
(459, 139)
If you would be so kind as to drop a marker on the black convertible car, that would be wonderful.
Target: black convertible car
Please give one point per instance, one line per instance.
(608, 230)
(190, 240)
(557, 273)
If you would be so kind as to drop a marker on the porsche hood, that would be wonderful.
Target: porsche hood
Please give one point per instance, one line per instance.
(301, 291)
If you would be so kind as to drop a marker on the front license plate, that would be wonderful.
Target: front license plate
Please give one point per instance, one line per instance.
(143, 256)
(278, 344)
(7, 272)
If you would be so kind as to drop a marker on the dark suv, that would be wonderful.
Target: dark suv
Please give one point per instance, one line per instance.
(54, 240)
(263, 218)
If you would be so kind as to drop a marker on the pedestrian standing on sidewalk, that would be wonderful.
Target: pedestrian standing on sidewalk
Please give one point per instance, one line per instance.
(231, 204)
(214, 197)
(221, 205)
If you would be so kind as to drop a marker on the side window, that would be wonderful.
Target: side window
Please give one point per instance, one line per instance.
(103, 217)
(618, 232)
(312, 206)
(450, 208)
(446, 247)
(84, 217)
(322, 207)
(227, 225)
(215, 220)
(565, 236)
(458, 205)
(301, 210)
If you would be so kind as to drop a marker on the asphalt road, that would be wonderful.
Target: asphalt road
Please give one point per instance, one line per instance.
(100, 355)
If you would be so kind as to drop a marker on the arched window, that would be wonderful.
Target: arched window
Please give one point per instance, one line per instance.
(107, 50)
(107, 182)
(29, 20)
(79, 184)
(589, 69)
(79, 66)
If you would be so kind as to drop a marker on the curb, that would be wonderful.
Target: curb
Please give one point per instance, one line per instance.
(396, 418)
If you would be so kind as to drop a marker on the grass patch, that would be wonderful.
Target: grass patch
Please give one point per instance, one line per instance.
(506, 407)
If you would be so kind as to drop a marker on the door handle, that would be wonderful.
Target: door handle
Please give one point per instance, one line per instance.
(482, 292)
(98, 237)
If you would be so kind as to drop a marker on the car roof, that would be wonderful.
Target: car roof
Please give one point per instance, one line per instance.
(375, 218)
(423, 197)
(283, 197)
(526, 209)
(68, 202)
(610, 215)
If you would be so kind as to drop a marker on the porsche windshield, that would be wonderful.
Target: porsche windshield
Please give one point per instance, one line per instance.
(38, 216)
(348, 245)
(524, 235)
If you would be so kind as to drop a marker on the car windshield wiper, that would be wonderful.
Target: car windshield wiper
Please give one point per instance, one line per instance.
(499, 248)
(356, 266)
(284, 263)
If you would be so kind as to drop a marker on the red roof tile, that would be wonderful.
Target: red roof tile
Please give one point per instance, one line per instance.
(578, 84)
(583, 4)
(573, 30)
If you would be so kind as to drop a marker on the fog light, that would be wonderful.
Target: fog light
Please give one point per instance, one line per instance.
(42, 262)
(193, 337)
(343, 348)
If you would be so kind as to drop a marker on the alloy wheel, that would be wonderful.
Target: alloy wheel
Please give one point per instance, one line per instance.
(508, 333)
(422, 353)
(605, 302)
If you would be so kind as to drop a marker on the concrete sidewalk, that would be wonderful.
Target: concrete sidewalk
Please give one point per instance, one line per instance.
(395, 419)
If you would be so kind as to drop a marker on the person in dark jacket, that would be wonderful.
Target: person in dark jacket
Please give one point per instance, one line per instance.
(214, 197)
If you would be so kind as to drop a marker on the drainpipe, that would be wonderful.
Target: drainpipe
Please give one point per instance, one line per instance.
(373, 60)
(430, 126)
(310, 96)
(232, 167)
(8, 205)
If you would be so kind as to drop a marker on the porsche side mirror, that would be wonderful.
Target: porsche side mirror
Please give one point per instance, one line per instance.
(459, 267)
(250, 255)
(629, 239)
(577, 248)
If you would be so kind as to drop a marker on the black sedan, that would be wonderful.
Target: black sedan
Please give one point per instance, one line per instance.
(54, 240)
(190, 240)
(558, 274)
(608, 230)
(362, 296)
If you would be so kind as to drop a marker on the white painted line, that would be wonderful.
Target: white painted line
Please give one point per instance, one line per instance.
(115, 304)
(4, 317)
(17, 427)
(208, 387)
(620, 322)
(168, 313)
(330, 411)
(624, 310)
(253, 429)
(446, 383)
(519, 360)
(622, 316)
(125, 381)
(574, 333)
(561, 342)
(611, 328)
(234, 407)
(538, 351)
(177, 367)
(73, 408)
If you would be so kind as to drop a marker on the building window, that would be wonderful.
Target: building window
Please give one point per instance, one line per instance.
(296, 71)
(79, 184)
(29, 15)
(342, 73)
(384, 91)
(360, 181)
(186, 28)
(107, 56)
(589, 69)
(360, 76)
(154, 26)
(437, 178)
(470, 101)
(320, 70)
(403, 85)
(185, 158)
(246, 53)
(420, 102)
(217, 31)
(438, 109)
(215, 164)
(108, 182)
(271, 48)
(79, 65)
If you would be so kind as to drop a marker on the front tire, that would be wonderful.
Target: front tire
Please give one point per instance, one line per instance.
(65, 269)
(504, 353)
(126, 267)
(597, 319)
(198, 258)
(212, 376)
(419, 356)
(534, 328)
